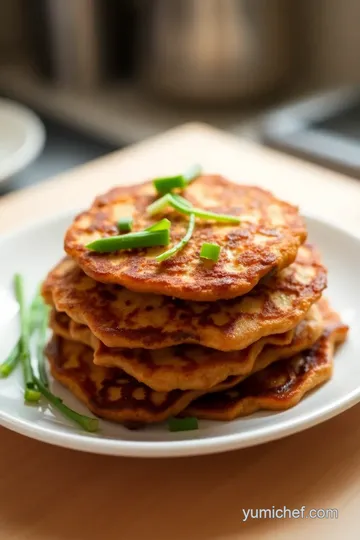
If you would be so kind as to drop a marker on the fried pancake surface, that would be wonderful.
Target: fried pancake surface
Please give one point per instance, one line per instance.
(122, 318)
(109, 392)
(268, 237)
(192, 367)
(113, 394)
(279, 386)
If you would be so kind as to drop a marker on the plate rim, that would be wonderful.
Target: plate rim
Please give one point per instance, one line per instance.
(182, 447)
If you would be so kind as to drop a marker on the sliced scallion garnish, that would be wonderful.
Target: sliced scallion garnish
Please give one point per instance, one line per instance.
(160, 225)
(31, 393)
(35, 387)
(159, 205)
(174, 202)
(11, 362)
(135, 240)
(183, 424)
(181, 200)
(167, 183)
(210, 251)
(172, 251)
(40, 346)
(36, 323)
(86, 422)
(204, 214)
(125, 224)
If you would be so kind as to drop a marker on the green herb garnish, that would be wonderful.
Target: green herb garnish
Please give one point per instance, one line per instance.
(36, 311)
(168, 183)
(40, 345)
(181, 200)
(160, 225)
(210, 251)
(170, 252)
(174, 202)
(86, 422)
(38, 318)
(139, 239)
(31, 394)
(159, 205)
(125, 224)
(183, 424)
(11, 362)
(35, 319)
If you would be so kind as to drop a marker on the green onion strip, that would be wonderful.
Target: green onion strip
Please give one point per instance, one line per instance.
(31, 393)
(135, 240)
(176, 203)
(168, 183)
(210, 251)
(125, 224)
(170, 252)
(183, 424)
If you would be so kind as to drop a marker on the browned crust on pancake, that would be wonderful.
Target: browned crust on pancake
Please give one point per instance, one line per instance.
(192, 367)
(121, 318)
(138, 403)
(268, 237)
(305, 336)
(112, 394)
(279, 386)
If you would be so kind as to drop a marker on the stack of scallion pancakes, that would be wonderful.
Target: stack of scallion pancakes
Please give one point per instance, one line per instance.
(187, 298)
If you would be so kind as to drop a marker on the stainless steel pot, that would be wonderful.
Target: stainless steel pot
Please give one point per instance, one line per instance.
(213, 50)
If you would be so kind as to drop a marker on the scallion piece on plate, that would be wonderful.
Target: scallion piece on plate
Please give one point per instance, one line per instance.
(38, 323)
(40, 346)
(31, 393)
(86, 422)
(37, 317)
(125, 224)
(210, 251)
(172, 251)
(160, 225)
(135, 240)
(11, 362)
(183, 424)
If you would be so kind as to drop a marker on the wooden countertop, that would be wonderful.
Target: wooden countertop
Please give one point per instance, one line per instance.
(56, 494)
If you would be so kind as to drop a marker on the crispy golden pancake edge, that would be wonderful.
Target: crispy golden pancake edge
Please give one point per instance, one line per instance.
(121, 318)
(189, 367)
(288, 381)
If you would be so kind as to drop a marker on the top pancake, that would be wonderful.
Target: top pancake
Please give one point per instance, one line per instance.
(122, 318)
(267, 238)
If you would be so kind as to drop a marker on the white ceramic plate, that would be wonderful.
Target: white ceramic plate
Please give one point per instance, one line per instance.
(22, 137)
(35, 249)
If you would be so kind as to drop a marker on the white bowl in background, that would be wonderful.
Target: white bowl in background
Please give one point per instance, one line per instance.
(22, 137)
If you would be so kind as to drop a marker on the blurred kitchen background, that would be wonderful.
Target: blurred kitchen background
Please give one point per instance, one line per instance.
(102, 74)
